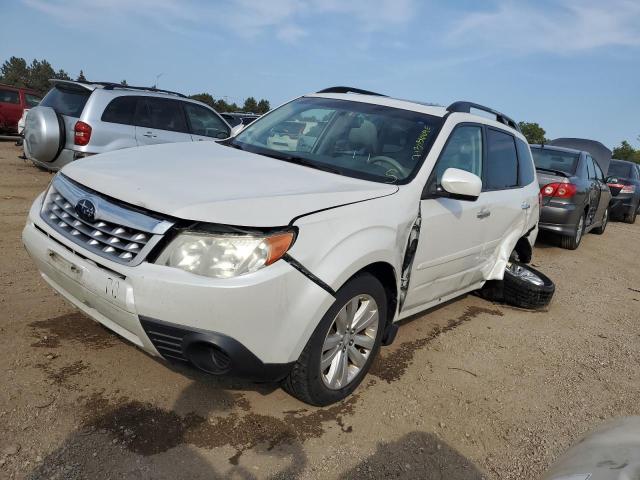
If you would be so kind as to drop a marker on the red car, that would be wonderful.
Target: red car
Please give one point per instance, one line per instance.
(13, 101)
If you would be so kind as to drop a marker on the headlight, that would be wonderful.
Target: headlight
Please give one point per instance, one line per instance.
(224, 256)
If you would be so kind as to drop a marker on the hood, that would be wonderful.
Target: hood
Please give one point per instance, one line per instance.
(208, 182)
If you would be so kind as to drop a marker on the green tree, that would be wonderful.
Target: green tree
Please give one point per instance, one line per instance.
(15, 72)
(250, 105)
(204, 98)
(626, 152)
(533, 132)
(81, 77)
(40, 71)
(263, 106)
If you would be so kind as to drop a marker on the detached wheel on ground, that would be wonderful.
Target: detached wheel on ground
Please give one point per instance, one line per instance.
(342, 347)
(605, 220)
(526, 287)
(571, 242)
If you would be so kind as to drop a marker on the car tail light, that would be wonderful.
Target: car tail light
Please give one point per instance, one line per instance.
(628, 189)
(82, 133)
(558, 190)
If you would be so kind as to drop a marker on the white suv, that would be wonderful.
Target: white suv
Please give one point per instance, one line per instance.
(252, 261)
(77, 119)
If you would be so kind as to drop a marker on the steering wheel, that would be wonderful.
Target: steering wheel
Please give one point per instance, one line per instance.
(389, 161)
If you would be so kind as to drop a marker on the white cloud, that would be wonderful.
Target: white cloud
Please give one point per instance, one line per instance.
(570, 26)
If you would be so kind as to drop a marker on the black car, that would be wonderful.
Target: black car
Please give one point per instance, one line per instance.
(574, 191)
(239, 118)
(624, 183)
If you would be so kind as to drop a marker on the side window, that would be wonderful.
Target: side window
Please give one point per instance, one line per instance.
(160, 113)
(9, 96)
(501, 170)
(463, 151)
(526, 169)
(591, 169)
(599, 174)
(120, 110)
(31, 100)
(204, 122)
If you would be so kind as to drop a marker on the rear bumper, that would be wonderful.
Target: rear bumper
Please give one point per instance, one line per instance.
(66, 156)
(620, 204)
(561, 219)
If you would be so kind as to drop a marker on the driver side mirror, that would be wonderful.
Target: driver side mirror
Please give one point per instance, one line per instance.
(460, 185)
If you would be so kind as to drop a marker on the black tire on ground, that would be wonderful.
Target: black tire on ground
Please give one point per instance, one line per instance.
(571, 242)
(630, 216)
(523, 293)
(605, 220)
(304, 381)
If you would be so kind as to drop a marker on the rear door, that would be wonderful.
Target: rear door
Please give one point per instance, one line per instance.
(160, 120)
(10, 109)
(594, 191)
(507, 202)
(205, 124)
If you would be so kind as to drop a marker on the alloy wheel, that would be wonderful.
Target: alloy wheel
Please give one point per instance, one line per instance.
(349, 341)
(524, 273)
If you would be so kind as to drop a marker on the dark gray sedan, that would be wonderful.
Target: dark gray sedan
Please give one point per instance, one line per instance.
(575, 195)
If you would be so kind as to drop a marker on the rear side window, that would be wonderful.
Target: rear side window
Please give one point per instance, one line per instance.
(501, 170)
(526, 171)
(121, 110)
(591, 169)
(66, 101)
(204, 122)
(9, 96)
(31, 100)
(463, 151)
(161, 113)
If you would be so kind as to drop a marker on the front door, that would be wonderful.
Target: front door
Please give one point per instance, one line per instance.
(450, 253)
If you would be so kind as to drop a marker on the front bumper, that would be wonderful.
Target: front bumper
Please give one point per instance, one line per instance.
(262, 320)
(559, 218)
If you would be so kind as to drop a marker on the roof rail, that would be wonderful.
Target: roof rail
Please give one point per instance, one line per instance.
(465, 107)
(112, 85)
(350, 90)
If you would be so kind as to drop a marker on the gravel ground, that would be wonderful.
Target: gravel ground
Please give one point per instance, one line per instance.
(469, 390)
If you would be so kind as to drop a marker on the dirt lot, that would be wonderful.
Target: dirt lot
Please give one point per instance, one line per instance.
(470, 390)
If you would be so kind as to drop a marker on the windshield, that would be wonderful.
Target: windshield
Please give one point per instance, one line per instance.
(619, 169)
(555, 160)
(361, 140)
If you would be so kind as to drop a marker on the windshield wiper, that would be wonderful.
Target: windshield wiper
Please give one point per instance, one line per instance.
(557, 172)
(303, 161)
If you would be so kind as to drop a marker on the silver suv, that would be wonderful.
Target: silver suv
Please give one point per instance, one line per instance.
(78, 119)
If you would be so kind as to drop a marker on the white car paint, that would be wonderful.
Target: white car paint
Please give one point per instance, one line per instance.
(344, 225)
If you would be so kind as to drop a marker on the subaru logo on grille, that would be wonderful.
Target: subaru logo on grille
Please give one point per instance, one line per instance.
(86, 210)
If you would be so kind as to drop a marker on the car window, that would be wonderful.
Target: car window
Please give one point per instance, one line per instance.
(9, 96)
(121, 110)
(620, 169)
(501, 168)
(160, 113)
(526, 170)
(463, 151)
(66, 101)
(204, 122)
(591, 169)
(599, 174)
(31, 100)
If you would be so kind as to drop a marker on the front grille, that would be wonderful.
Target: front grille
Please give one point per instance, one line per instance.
(114, 232)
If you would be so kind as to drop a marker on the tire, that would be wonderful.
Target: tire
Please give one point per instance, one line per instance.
(306, 381)
(630, 216)
(526, 287)
(571, 242)
(605, 220)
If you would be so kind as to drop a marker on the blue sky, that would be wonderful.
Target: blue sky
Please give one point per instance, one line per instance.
(571, 65)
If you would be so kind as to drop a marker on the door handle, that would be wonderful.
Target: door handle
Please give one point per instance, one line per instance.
(525, 206)
(483, 213)
(149, 135)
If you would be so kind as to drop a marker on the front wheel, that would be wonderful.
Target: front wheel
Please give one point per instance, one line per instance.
(571, 242)
(343, 345)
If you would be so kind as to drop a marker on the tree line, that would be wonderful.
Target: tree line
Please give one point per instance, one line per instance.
(35, 75)
(535, 134)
